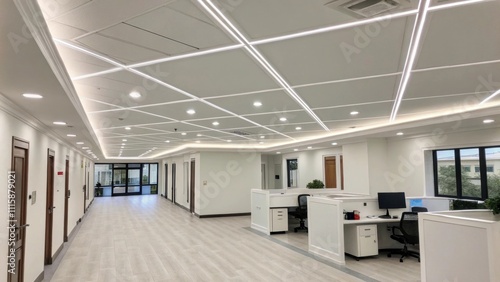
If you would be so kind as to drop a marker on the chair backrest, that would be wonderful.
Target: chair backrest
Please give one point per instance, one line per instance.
(409, 227)
(419, 209)
(302, 199)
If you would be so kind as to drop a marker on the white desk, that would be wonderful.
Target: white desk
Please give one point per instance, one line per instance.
(371, 220)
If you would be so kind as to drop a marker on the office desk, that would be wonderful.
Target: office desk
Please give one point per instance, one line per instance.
(326, 225)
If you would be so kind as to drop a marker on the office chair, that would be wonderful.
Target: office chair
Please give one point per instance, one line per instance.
(419, 209)
(301, 212)
(407, 234)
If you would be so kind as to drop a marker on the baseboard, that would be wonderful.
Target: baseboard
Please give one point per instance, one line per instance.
(224, 215)
(40, 277)
(57, 252)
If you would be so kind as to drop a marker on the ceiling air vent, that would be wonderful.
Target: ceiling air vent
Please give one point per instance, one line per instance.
(363, 8)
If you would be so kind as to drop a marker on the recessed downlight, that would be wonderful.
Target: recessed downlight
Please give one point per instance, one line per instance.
(257, 104)
(354, 113)
(278, 153)
(334, 143)
(79, 143)
(298, 128)
(215, 123)
(124, 140)
(309, 147)
(197, 141)
(282, 118)
(229, 140)
(261, 142)
(191, 112)
(295, 150)
(85, 148)
(32, 96)
(128, 128)
(59, 123)
(262, 137)
(183, 133)
(399, 133)
(488, 121)
(135, 94)
(71, 135)
(198, 135)
(167, 141)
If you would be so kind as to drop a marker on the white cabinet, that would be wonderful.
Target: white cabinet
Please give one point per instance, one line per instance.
(278, 220)
(361, 240)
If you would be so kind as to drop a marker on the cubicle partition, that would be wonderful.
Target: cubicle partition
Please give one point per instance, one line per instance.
(460, 246)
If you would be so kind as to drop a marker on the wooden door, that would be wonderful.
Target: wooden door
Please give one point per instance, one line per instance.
(49, 207)
(173, 182)
(17, 189)
(192, 186)
(330, 172)
(66, 199)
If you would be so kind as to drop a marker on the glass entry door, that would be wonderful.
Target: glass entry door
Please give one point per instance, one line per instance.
(119, 182)
(134, 181)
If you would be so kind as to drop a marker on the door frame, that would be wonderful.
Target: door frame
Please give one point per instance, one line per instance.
(66, 198)
(49, 206)
(18, 143)
(192, 186)
(174, 168)
(166, 181)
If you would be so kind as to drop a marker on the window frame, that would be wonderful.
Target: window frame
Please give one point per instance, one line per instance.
(458, 172)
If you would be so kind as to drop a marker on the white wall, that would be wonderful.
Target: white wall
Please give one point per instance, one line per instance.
(226, 180)
(310, 165)
(37, 179)
(356, 174)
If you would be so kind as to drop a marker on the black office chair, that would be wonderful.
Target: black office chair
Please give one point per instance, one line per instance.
(419, 209)
(407, 234)
(301, 212)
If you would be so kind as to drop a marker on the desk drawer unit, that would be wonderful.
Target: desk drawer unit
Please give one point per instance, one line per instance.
(361, 240)
(278, 219)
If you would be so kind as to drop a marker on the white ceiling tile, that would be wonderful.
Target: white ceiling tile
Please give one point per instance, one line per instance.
(81, 64)
(184, 28)
(366, 111)
(469, 79)
(461, 35)
(179, 111)
(216, 74)
(121, 119)
(292, 117)
(346, 53)
(272, 101)
(350, 92)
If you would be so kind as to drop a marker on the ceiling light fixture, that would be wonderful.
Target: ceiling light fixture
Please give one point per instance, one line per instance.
(309, 147)
(32, 96)
(59, 123)
(71, 135)
(334, 143)
(191, 112)
(167, 141)
(282, 118)
(79, 143)
(399, 133)
(183, 133)
(262, 137)
(261, 142)
(85, 148)
(298, 128)
(229, 140)
(215, 123)
(128, 128)
(354, 113)
(257, 104)
(124, 140)
(295, 150)
(423, 8)
(135, 94)
(488, 121)
(490, 97)
(233, 31)
(278, 153)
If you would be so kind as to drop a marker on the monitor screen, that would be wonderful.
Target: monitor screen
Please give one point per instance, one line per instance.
(391, 200)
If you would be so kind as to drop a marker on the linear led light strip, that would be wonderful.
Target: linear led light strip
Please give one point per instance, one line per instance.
(285, 37)
(410, 57)
(233, 31)
(128, 68)
(490, 97)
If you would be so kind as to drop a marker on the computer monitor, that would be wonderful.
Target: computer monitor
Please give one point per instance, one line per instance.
(391, 200)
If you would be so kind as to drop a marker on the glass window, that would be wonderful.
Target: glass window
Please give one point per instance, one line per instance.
(145, 174)
(466, 168)
(153, 174)
(492, 156)
(292, 172)
(120, 176)
(134, 176)
(446, 174)
(471, 182)
(102, 174)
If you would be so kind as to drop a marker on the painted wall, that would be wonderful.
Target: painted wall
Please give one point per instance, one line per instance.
(356, 173)
(37, 179)
(310, 165)
(226, 180)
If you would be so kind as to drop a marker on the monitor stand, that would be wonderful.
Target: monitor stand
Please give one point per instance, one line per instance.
(386, 215)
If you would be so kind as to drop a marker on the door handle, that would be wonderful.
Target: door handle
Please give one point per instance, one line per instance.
(22, 226)
(51, 209)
